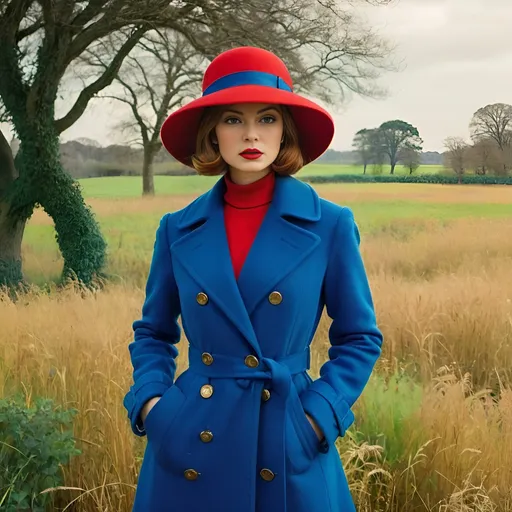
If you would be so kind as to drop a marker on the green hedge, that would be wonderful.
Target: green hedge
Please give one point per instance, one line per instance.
(420, 178)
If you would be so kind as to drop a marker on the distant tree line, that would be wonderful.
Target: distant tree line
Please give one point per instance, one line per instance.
(393, 142)
(490, 149)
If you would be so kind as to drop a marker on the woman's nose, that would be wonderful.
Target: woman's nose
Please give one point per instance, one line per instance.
(251, 133)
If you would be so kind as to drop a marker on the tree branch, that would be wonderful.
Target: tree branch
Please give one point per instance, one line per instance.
(11, 20)
(92, 33)
(103, 81)
(92, 9)
(32, 29)
(134, 105)
(147, 85)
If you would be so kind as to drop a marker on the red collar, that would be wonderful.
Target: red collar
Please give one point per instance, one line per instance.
(253, 195)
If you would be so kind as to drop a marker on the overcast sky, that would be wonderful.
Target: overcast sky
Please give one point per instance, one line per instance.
(457, 58)
(456, 55)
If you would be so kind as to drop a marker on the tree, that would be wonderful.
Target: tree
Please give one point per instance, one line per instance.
(456, 156)
(494, 122)
(41, 43)
(397, 135)
(410, 158)
(482, 155)
(366, 144)
(161, 72)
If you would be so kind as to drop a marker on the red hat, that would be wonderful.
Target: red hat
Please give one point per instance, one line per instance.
(248, 75)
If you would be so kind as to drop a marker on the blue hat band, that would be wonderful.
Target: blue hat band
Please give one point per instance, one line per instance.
(247, 78)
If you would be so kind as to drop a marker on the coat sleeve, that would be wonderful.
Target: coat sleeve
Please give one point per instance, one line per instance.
(153, 351)
(354, 336)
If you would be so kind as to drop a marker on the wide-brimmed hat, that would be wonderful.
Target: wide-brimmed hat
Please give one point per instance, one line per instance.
(248, 75)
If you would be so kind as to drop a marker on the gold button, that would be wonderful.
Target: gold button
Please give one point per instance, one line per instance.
(265, 395)
(206, 436)
(251, 361)
(275, 298)
(207, 358)
(207, 391)
(202, 299)
(267, 475)
(191, 474)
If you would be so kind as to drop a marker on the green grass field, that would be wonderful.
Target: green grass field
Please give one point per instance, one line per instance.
(330, 169)
(314, 168)
(131, 186)
(129, 221)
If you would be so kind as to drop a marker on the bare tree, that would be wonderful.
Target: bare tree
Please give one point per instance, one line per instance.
(410, 158)
(482, 155)
(494, 122)
(456, 156)
(161, 72)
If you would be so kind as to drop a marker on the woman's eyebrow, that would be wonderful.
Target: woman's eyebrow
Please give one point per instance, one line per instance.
(259, 111)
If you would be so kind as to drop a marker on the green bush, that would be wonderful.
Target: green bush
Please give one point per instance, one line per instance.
(419, 178)
(34, 442)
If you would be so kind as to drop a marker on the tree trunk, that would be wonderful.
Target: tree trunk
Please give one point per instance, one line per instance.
(11, 226)
(364, 169)
(148, 184)
(393, 164)
(42, 176)
(11, 235)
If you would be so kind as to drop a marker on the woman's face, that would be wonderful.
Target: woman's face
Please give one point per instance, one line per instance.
(249, 126)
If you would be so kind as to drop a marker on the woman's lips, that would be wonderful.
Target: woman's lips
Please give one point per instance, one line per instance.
(251, 156)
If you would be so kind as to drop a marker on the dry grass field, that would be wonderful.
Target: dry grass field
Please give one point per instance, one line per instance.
(434, 425)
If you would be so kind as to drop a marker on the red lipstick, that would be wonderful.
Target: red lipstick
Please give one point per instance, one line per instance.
(251, 153)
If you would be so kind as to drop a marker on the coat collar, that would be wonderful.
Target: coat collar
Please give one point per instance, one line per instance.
(292, 198)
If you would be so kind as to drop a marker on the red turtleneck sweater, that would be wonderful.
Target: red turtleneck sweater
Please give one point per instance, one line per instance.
(245, 207)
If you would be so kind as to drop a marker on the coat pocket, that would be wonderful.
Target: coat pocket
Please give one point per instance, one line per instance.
(162, 416)
(302, 441)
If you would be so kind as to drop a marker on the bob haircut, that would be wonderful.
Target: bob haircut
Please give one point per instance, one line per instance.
(208, 161)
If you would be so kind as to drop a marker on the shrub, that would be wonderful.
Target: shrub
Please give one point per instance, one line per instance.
(34, 442)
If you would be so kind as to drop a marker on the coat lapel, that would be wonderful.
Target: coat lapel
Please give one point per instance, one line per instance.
(204, 254)
(280, 246)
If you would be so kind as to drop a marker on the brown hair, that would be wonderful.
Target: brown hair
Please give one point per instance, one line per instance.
(208, 161)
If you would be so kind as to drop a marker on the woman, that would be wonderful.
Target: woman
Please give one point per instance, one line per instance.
(249, 266)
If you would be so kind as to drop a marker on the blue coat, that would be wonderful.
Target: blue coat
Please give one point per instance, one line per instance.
(230, 433)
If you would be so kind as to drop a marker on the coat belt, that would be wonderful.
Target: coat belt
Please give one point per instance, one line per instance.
(279, 372)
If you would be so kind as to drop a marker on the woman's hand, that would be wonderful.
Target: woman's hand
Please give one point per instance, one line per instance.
(316, 428)
(148, 406)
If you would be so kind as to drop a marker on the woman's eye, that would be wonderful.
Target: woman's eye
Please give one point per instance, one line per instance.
(268, 119)
(229, 119)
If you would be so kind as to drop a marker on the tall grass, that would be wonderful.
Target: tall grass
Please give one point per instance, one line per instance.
(434, 425)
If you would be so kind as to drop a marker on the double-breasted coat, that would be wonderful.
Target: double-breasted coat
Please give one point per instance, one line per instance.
(230, 434)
